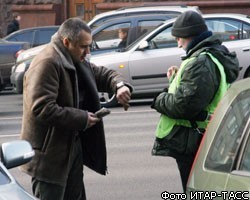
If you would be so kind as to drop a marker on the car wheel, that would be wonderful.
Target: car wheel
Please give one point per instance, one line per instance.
(108, 100)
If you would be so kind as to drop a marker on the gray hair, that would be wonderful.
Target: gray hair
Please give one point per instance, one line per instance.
(72, 27)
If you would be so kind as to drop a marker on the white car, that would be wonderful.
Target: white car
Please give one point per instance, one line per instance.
(13, 154)
(139, 10)
(145, 62)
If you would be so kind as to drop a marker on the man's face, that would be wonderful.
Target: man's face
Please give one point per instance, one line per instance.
(79, 49)
(18, 18)
(183, 42)
(122, 34)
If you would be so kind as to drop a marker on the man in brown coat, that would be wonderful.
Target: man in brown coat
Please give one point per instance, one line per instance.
(59, 101)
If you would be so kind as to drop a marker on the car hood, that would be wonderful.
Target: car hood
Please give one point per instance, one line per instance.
(109, 58)
(30, 53)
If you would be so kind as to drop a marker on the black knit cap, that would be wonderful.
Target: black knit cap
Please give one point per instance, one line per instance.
(189, 24)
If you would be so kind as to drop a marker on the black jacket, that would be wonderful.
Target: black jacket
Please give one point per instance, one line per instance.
(199, 83)
(12, 27)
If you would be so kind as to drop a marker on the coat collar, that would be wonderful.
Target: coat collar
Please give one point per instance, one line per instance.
(57, 44)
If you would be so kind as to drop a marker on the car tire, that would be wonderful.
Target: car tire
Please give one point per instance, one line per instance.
(108, 100)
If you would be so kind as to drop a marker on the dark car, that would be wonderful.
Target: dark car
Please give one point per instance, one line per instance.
(13, 154)
(8, 54)
(35, 36)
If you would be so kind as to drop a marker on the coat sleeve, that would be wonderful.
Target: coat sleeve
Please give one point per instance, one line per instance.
(197, 88)
(106, 79)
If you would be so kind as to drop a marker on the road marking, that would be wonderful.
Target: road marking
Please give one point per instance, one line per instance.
(10, 118)
(16, 135)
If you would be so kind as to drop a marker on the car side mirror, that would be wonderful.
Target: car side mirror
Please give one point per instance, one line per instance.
(143, 45)
(16, 153)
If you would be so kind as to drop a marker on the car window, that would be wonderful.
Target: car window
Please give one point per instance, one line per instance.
(4, 179)
(109, 37)
(100, 21)
(147, 26)
(43, 37)
(229, 29)
(227, 141)
(26, 36)
(245, 162)
(164, 39)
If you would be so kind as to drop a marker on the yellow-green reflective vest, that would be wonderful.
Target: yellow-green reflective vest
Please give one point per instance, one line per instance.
(166, 123)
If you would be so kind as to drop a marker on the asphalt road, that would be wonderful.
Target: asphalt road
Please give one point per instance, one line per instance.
(133, 173)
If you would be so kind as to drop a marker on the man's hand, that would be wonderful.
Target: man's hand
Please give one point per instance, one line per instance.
(172, 71)
(123, 96)
(92, 119)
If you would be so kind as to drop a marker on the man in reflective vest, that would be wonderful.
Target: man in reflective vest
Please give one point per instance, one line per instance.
(194, 92)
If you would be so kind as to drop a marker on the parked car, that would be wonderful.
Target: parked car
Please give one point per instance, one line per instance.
(105, 40)
(13, 154)
(145, 62)
(222, 164)
(8, 54)
(139, 10)
(35, 36)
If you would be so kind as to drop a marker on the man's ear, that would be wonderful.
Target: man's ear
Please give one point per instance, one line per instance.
(66, 42)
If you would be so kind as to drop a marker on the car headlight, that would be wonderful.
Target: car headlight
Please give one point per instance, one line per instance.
(21, 67)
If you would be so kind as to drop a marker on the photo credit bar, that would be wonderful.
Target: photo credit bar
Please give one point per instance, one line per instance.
(207, 195)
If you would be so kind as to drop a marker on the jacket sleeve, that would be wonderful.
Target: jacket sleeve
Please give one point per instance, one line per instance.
(106, 79)
(198, 85)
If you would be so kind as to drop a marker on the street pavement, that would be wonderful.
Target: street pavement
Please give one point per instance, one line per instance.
(133, 173)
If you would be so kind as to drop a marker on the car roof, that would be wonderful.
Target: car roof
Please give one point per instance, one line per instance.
(154, 16)
(226, 15)
(31, 29)
(142, 9)
(214, 15)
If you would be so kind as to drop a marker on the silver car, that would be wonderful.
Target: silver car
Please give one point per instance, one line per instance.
(13, 154)
(222, 166)
(145, 62)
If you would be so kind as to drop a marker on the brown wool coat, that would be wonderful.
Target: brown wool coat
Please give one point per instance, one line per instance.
(51, 114)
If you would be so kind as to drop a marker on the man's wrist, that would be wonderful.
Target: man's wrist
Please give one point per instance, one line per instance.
(119, 85)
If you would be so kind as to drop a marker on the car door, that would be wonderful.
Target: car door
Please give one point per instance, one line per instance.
(148, 67)
(235, 35)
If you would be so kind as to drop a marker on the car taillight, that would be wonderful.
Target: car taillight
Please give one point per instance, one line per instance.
(232, 37)
(18, 53)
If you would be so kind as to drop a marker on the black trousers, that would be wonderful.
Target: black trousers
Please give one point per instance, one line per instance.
(73, 189)
(184, 166)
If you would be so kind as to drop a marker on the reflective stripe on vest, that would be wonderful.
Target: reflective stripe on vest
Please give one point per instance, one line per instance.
(166, 123)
